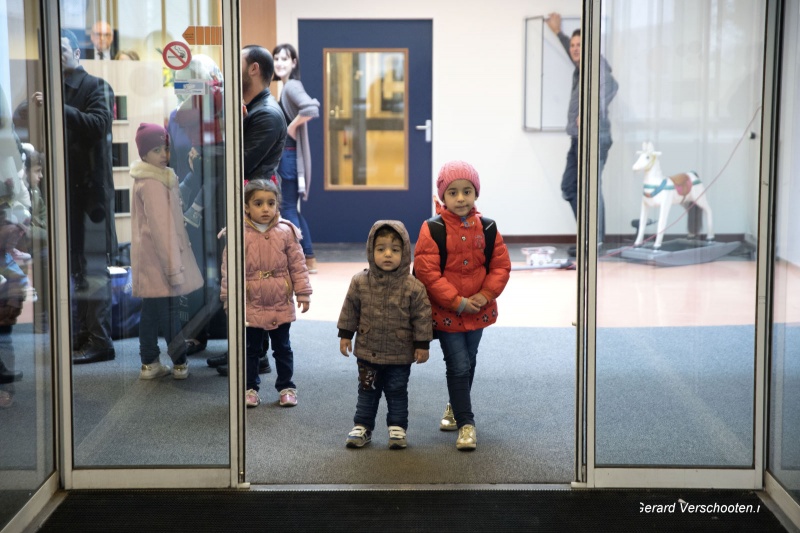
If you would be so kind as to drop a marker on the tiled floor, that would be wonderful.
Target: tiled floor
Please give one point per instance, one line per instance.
(629, 294)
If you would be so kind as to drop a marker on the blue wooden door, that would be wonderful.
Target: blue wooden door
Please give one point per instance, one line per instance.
(346, 215)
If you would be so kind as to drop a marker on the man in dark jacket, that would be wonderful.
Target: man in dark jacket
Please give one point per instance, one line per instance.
(263, 134)
(88, 114)
(264, 127)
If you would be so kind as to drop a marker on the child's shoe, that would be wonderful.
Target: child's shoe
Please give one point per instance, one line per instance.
(467, 438)
(251, 398)
(358, 437)
(448, 422)
(181, 371)
(397, 438)
(311, 263)
(288, 397)
(153, 370)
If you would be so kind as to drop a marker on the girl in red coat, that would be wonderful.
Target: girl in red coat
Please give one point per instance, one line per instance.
(463, 296)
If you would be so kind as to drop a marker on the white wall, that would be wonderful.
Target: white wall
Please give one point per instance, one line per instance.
(478, 70)
(696, 104)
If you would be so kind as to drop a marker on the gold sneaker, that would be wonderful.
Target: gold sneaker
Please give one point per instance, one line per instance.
(467, 439)
(448, 422)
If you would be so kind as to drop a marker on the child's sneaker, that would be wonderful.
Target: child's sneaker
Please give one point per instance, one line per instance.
(397, 438)
(288, 397)
(448, 422)
(153, 370)
(251, 398)
(358, 437)
(181, 371)
(467, 438)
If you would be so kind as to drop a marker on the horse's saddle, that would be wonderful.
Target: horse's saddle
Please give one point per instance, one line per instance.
(681, 183)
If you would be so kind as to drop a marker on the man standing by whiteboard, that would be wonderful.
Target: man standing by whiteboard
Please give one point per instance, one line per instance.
(608, 89)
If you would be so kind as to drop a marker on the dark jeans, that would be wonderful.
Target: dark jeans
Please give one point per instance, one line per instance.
(257, 343)
(569, 182)
(287, 169)
(460, 358)
(163, 312)
(374, 380)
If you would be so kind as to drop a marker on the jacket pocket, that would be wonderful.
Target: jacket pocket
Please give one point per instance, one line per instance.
(404, 334)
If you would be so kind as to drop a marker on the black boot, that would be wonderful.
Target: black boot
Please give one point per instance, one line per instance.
(8, 376)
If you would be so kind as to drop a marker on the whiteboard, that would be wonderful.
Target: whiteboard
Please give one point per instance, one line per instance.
(548, 75)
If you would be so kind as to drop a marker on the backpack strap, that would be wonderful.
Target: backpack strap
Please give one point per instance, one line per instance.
(439, 235)
(489, 236)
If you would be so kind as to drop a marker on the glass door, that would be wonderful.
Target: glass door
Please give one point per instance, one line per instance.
(150, 171)
(675, 322)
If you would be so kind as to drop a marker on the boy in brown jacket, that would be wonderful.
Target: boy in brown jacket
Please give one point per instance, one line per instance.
(389, 310)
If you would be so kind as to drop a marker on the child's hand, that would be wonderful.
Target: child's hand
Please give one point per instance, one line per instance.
(304, 305)
(222, 233)
(479, 299)
(420, 355)
(471, 307)
(345, 345)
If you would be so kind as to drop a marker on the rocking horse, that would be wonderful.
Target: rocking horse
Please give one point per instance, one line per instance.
(659, 190)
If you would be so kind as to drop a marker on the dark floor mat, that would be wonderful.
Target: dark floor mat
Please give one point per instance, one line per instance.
(413, 510)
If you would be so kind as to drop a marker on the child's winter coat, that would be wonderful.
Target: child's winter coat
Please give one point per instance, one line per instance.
(275, 270)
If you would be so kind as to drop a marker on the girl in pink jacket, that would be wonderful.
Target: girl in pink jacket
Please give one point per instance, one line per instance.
(162, 263)
(275, 271)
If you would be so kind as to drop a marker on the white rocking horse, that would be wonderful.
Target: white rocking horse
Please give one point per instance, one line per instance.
(663, 191)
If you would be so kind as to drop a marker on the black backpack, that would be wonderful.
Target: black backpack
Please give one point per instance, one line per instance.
(439, 233)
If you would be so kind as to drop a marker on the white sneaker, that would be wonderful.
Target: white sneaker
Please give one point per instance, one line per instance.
(181, 371)
(397, 438)
(154, 370)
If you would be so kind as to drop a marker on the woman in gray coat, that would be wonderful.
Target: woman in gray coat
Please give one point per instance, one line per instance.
(295, 165)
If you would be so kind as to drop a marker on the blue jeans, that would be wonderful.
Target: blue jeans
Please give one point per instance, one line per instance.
(287, 169)
(460, 358)
(374, 380)
(569, 182)
(162, 312)
(257, 344)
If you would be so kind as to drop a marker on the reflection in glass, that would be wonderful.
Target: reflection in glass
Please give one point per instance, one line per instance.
(675, 344)
(26, 415)
(144, 395)
(784, 424)
(367, 124)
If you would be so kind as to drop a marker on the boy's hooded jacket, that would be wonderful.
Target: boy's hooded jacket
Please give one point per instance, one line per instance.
(274, 271)
(162, 261)
(464, 274)
(388, 312)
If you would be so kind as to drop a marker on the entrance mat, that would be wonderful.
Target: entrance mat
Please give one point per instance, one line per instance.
(412, 510)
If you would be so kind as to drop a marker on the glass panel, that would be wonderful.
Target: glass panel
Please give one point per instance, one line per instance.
(784, 424)
(367, 124)
(676, 307)
(145, 277)
(26, 415)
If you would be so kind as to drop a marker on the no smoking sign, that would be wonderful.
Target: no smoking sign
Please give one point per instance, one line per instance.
(177, 55)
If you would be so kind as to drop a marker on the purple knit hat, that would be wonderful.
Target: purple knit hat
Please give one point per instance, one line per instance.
(150, 136)
(457, 170)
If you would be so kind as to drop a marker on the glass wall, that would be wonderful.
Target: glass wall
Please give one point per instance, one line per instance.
(26, 402)
(784, 413)
(676, 299)
(145, 178)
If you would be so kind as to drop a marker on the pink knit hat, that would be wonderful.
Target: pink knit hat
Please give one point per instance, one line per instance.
(457, 170)
(150, 136)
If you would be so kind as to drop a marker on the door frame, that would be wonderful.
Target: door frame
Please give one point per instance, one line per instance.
(146, 476)
(588, 474)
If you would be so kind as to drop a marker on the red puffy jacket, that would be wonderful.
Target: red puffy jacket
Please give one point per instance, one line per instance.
(464, 274)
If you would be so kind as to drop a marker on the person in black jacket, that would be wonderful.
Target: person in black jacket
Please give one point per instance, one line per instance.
(88, 114)
(263, 134)
(264, 127)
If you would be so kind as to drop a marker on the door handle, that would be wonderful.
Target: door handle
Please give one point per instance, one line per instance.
(427, 128)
